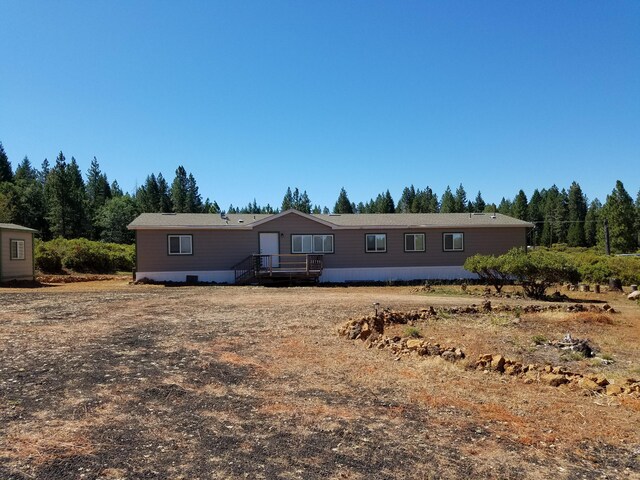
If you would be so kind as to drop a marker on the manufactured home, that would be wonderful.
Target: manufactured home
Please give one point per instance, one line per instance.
(16, 252)
(248, 248)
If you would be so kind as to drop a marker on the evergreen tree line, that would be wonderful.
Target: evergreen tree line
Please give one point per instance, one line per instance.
(59, 202)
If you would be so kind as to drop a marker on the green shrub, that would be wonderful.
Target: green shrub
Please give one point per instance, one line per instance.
(489, 268)
(535, 271)
(82, 255)
(47, 260)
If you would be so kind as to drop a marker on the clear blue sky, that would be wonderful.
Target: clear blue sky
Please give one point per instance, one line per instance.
(255, 96)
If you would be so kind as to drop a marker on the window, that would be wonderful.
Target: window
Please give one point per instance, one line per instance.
(414, 242)
(376, 242)
(453, 242)
(180, 245)
(17, 250)
(311, 243)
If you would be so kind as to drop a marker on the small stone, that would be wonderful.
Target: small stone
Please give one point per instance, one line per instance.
(513, 369)
(634, 295)
(600, 380)
(589, 384)
(613, 390)
(554, 379)
(449, 356)
(414, 344)
(497, 363)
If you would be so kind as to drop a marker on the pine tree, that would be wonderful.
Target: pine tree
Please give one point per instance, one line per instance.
(98, 192)
(592, 223)
(479, 204)
(30, 206)
(25, 171)
(448, 203)
(637, 225)
(287, 201)
(460, 200)
(536, 215)
(79, 221)
(520, 206)
(425, 201)
(165, 195)
(194, 199)
(343, 205)
(44, 172)
(65, 198)
(113, 217)
(406, 200)
(561, 216)
(505, 206)
(179, 191)
(116, 191)
(577, 208)
(7, 203)
(549, 201)
(148, 196)
(215, 208)
(619, 211)
(6, 174)
(304, 203)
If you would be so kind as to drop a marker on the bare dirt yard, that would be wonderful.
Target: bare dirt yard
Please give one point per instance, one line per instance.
(106, 380)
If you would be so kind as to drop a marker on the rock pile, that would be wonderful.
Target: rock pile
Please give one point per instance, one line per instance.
(370, 329)
(394, 317)
(575, 345)
(556, 376)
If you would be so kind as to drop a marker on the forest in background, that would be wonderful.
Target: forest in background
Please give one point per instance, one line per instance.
(59, 201)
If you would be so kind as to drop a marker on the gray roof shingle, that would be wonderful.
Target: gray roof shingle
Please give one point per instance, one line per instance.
(13, 226)
(362, 220)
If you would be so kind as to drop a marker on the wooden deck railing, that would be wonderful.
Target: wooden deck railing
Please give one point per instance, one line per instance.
(264, 265)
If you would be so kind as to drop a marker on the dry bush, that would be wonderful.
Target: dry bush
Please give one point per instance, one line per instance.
(594, 318)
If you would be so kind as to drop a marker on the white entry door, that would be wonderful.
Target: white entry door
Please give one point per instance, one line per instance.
(270, 245)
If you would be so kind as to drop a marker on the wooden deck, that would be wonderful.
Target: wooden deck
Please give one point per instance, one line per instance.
(259, 268)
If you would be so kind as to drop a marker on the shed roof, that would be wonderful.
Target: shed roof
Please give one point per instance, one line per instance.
(337, 221)
(13, 226)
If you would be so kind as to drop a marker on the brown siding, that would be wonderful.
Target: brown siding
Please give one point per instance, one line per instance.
(16, 269)
(221, 250)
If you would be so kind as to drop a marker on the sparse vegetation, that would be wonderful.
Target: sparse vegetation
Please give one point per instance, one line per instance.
(412, 332)
(146, 381)
(539, 339)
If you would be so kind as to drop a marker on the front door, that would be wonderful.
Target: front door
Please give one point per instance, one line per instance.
(270, 245)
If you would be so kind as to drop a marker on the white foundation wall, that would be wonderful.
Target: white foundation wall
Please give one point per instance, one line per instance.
(383, 274)
(332, 275)
(218, 276)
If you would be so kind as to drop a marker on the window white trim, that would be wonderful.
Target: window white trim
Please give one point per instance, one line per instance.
(375, 243)
(456, 241)
(17, 249)
(184, 245)
(416, 244)
(307, 243)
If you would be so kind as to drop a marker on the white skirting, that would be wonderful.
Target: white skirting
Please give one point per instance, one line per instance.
(334, 275)
(383, 274)
(218, 276)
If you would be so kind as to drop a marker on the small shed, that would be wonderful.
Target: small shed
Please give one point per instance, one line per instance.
(16, 252)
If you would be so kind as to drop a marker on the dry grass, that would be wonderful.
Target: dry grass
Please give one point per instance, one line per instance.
(105, 380)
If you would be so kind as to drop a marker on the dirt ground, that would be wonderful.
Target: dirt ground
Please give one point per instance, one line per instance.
(106, 380)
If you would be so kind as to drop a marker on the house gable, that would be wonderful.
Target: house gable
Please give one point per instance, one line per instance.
(293, 212)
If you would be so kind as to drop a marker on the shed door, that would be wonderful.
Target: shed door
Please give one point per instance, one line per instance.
(270, 245)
